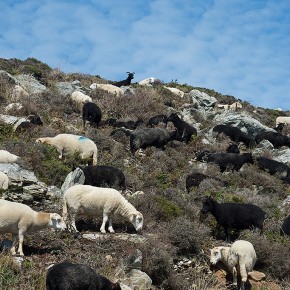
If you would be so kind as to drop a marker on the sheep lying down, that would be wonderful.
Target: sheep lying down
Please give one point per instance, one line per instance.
(18, 219)
(98, 201)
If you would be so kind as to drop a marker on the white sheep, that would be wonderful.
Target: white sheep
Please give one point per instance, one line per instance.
(7, 157)
(19, 219)
(18, 93)
(175, 91)
(79, 98)
(108, 88)
(282, 119)
(233, 107)
(72, 143)
(240, 256)
(4, 180)
(98, 201)
(149, 81)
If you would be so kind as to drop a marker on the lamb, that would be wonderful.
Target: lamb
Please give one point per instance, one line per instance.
(184, 130)
(104, 176)
(234, 133)
(273, 167)
(4, 180)
(282, 119)
(91, 113)
(30, 122)
(277, 139)
(19, 219)
(156, 120)
(125, 82)
(7, 157)
(175, 91)
(79, 99)
(234, 215)
(285, 229)
(146, 137)
(111, 89)
(233, 160)
(73, 143)
(96, 201)
(240, 257)
(66, 276)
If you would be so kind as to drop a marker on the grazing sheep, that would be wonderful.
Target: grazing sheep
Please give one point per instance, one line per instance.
(104, 176)
(19, 219)
(283, 119)
(30, 122)
(175, 91)
(234, 215)
(73, 143)
(154, 121)
(277, 139)
(273, 167)
(202, 155)
(4, 180)
(240, 257)
(146, 137)
(69, 276)
(233, 160)
(79, 99)
(126, 82)
(279, 127)
(233, 148)
(111, 89)
(91, 113)
(234, 133)
(7, 157)
(194, 179)
(98, 201)
(285, 228)
(131, 125)
(149, 82)
(184, 130)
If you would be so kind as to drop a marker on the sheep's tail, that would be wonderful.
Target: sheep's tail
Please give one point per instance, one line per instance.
(95, 157)
(243, 271)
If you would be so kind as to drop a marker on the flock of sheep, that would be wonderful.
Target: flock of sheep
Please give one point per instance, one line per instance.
(92, 199)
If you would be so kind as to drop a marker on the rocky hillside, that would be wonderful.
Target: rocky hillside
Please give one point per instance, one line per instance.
(173, 251)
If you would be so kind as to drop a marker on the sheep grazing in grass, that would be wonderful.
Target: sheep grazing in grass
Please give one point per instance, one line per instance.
(282, 119)
(69, 276)
(4, 180)
(234, 133)
(156, 120)
(231, 161)
(277, 139)
(7, 157)
(19, 219)
(240, 258)
(184, 130)
(111, 89)
(146, 137)
(237, 216)
(126, 82)
(285, 228)
(91, 113)
(98, 201)
(104, 176)
(79, 99)
(72, 143)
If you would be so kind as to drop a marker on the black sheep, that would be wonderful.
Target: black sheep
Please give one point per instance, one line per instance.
(273, 167)
(234, 133)
(154, 121)
(131, 125)
(125, 82)
(31, 122)
(103, 176)
(237, 216)
(233, 148)
(285, 229)
(91, 113)
(277, 139)
(279, 127)
(194, 179)
(233, 160)
(184, 130)
(146, 137)
(68, 276)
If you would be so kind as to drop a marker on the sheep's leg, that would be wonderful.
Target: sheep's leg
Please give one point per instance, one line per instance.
(20, 247)
(105, 219)
(110, 228)
(228, 234)
(244, 275)
(60, 151)
(13, 250)
(235, 278)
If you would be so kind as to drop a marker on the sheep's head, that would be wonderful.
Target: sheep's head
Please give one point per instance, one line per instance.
(208, 204)
(137, 221)
(216, 255)
(56, 221)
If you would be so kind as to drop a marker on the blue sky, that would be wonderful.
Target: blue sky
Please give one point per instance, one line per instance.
(236, 47)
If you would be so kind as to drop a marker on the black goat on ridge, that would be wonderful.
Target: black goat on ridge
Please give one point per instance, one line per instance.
(125, 82)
